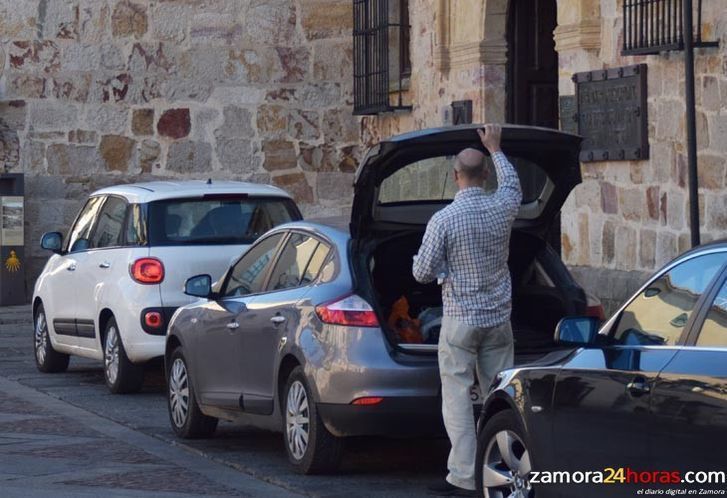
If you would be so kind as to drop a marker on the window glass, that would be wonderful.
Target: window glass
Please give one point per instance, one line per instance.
(659, 314)
(81, 230)
(110, 223)
(216, 220)
(293, 261)
(248, 274)
(135, 229)
(432, 179)
(316, 263)
(714, 329)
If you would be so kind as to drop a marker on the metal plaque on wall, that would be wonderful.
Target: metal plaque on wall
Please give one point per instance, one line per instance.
(611, 112)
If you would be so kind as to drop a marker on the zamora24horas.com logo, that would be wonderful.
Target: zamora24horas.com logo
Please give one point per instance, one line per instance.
(626, 475)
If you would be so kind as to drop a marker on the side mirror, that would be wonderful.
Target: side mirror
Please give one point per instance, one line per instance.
(52, 241)
(577, 331)
(198, 286)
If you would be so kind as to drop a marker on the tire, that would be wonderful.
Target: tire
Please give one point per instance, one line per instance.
(322, 452)
(503, 435)
(47, 359)
(185, 417)
(122, 376)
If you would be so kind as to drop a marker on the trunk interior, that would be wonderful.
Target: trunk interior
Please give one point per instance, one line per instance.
(540, 295)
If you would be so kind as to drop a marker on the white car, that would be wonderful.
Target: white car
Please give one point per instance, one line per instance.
(111, 287)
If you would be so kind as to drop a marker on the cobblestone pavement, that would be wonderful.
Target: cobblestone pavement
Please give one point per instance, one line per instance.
(65, 435)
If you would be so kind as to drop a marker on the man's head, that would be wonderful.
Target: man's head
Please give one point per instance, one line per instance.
(469, 169)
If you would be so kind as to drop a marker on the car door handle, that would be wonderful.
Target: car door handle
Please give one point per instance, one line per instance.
(233, 325)
(105, 264)
(638, 387)
(277, 319)
(71, 267)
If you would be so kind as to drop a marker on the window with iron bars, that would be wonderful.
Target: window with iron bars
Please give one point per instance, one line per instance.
(381, 64)
(654, 26)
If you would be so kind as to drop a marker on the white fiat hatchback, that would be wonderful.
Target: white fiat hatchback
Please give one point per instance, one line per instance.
(111, 287)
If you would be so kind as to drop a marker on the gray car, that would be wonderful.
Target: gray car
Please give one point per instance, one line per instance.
(322, 332)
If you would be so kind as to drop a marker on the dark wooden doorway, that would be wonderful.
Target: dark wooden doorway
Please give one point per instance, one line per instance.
(533, 71)
(533, 63)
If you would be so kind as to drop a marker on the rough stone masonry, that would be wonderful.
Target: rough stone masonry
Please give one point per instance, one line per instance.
(100, 92)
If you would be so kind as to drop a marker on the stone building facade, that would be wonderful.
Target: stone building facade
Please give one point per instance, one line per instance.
(99, 92)
(627, 217)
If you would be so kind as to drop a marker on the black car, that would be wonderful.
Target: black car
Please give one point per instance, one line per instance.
(641, 399)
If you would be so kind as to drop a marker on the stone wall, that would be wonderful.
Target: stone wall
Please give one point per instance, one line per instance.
(454, 56)
(99, 92)
(626, 218)
(634, 215)
(611, 286)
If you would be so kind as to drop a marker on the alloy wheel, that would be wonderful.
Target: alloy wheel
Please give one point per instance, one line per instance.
(111, 355)
(179, 392)
(507, 467)
(297, 420)
(41, 337)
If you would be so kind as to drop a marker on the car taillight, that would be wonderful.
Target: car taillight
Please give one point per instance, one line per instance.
(367, 401)
(596, 312)
(147, 271)
(153, 319)
(349, 310)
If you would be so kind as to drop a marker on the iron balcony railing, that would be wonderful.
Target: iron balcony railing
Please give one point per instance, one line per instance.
(654, 26)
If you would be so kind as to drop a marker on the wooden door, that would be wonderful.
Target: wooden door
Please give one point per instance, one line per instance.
(533, 71)
(533, 68)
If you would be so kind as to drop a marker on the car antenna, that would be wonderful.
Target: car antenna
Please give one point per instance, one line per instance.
(209, 181)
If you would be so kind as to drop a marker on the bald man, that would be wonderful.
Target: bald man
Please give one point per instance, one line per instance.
(466, 245)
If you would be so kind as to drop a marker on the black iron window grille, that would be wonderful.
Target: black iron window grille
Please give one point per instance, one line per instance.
(654, 26)
(381, 64)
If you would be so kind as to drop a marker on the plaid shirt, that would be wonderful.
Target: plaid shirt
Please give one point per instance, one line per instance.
(468, 242)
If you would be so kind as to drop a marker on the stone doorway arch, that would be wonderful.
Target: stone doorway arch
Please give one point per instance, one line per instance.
(472, 43)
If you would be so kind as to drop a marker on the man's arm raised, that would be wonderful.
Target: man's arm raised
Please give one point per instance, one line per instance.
(508, 182)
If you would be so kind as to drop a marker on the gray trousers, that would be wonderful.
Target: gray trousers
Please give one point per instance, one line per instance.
(463, 352)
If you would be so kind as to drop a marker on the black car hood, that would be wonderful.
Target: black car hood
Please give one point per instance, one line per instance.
(556, 152)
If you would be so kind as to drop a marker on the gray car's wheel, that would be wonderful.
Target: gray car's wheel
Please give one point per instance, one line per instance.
(122, 376)
(310, 447)
(503, 462)
(186, 418)
(47, 359)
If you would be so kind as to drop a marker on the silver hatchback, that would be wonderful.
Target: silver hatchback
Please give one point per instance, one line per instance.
(322, 332)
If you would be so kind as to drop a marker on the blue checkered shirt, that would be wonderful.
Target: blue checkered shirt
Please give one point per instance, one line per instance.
(469, 242)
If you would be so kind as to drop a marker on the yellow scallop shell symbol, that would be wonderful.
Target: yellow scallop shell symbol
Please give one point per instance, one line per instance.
(13, 262)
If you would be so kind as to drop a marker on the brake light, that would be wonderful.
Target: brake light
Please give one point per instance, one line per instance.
(350, 310)
(596, 312)
(153, 319)
(368, 401)
(147, 271)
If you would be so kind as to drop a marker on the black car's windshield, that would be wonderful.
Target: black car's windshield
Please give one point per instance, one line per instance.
(216, 220)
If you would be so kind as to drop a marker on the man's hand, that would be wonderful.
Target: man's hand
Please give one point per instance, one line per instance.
(491, 137)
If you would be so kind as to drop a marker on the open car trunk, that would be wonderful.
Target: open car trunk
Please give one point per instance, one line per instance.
(404, 180)
(543, 292)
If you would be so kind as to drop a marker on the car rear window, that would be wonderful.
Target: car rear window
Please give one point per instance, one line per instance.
(216, 219)
(432, 179)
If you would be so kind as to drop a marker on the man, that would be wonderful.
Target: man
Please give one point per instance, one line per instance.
(466, 246)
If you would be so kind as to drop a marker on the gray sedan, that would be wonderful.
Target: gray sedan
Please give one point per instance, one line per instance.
(323, 333)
